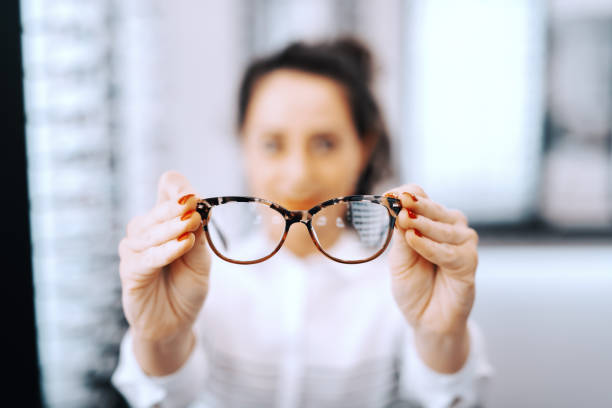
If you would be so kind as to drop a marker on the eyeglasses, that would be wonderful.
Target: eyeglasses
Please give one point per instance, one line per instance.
(248, 230)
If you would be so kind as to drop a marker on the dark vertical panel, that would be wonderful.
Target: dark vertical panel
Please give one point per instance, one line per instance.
(20, 330)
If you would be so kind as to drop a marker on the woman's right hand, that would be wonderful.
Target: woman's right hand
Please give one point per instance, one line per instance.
(164, 266)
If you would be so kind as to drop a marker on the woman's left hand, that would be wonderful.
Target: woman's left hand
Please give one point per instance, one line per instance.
(433, 262)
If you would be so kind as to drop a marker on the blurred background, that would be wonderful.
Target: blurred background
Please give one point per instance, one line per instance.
(502, 108)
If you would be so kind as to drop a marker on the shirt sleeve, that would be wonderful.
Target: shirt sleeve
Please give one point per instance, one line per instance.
(428, 388)
(178, 389)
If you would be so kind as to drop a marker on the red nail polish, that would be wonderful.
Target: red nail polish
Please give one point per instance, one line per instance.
(392, 195)
(418, 233)
(184, 198)
(413, 197)
(187, 215)
(183, 236)
(411, 214)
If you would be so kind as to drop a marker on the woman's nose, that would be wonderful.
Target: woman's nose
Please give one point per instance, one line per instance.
(298, 167)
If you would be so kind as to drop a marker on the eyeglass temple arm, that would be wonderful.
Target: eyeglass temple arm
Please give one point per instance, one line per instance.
(221, 236)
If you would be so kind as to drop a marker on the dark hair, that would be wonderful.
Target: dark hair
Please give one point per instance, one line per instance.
(348, 62)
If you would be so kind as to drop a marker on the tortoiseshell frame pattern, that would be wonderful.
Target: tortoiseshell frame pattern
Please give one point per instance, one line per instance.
(393, 206)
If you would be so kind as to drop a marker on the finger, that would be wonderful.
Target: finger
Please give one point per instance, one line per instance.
(432, 210)
(161, 213)
(157, 234)
(131, 270)
(173, 185)
(168, 252)
(438, 231)
(412, 188)
(125, 252)
(453, 257)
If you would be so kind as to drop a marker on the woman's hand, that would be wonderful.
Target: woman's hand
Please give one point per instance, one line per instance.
(433, 262)
(164, 268)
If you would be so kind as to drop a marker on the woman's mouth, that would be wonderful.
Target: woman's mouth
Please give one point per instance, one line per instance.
(297, 205)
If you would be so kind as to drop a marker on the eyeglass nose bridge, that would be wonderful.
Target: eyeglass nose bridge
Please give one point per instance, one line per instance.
(301, 216)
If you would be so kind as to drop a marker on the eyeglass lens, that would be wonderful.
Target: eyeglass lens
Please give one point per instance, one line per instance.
(364, 225)
(245, 231)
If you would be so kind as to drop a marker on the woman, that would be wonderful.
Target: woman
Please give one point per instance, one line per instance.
(300, 329)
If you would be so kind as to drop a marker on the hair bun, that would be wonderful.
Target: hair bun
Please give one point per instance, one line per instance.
(356, 53)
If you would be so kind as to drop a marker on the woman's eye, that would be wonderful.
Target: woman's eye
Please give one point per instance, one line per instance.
(323, 144)
(271, 145)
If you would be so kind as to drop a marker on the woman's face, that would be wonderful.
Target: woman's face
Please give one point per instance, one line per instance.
(301, 146)
(300, 142)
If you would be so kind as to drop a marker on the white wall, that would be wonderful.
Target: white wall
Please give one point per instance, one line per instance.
(474, 89)
(546, 312)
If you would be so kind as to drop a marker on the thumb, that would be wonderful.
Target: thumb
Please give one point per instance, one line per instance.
(401, 255)
(171, 185)
(198, 258)
(412, 278)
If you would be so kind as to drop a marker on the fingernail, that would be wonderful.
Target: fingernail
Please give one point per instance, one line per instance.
(411, 214)
(183, 236)
(413, 197)
(187, 215)
(184, 198)
(418, 233)
(392, 195)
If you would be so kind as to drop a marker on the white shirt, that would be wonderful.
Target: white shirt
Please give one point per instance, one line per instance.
(311, 332)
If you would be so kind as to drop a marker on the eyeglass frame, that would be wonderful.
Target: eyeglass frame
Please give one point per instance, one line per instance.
(392, 204)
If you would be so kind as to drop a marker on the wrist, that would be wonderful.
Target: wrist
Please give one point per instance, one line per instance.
(443, 352)
(163, 357)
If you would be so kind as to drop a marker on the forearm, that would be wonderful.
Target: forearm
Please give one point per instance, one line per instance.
(444, 353)
(160, 358)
